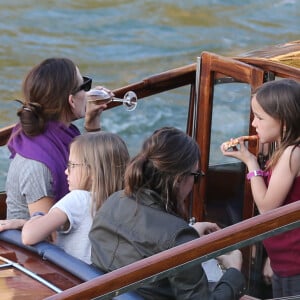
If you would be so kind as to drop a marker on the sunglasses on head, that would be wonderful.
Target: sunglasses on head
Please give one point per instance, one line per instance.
(85, 86)
(197, 175)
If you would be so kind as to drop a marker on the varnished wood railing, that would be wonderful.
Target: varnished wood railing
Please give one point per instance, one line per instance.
(5, 134)
(233, 237)
(182, 76)
(161, 82)
(149, 86)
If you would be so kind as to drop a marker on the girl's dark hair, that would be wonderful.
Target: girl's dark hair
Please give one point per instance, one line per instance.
(166, 156)
(281, 100)
(46, 90)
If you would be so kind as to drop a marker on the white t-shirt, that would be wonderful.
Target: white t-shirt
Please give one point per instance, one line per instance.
(75, 241)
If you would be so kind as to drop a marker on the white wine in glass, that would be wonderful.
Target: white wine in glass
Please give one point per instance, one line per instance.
(102, 96)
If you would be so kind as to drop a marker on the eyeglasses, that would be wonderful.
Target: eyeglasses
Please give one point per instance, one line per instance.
(86, 86)
(197, 175)
(71, 165)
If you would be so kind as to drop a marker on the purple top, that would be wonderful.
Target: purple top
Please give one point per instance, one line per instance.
(50, 148)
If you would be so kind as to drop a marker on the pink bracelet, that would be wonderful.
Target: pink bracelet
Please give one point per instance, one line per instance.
(255, 173)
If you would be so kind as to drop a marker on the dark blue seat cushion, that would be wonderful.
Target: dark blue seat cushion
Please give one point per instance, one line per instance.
(60, 258)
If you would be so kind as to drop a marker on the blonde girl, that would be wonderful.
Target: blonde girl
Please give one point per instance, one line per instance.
(95, 170)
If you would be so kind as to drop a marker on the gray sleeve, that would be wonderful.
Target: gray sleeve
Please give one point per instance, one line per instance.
(232, 283)
(36, 181)
(27, 181)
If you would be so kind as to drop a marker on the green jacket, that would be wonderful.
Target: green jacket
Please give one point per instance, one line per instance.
(125, 230)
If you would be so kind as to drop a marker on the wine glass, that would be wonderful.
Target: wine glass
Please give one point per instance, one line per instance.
(101, 96)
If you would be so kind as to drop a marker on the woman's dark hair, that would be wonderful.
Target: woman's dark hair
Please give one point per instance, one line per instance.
(46, 90)
(166, 156)
(281, 100)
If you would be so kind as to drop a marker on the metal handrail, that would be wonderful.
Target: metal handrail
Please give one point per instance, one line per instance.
(12, 264)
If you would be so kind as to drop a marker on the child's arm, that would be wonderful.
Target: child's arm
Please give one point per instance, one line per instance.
(267, 272)
(44, 204)
(11, 224)
(283, 176)
(281, 180)
(40, 227)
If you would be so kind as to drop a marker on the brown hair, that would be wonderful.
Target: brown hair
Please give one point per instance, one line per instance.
(166, 156)
(46, 90)
(281, 100)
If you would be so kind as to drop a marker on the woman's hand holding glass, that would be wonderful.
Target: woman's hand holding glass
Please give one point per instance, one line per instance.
(94, 110)
(99, 96)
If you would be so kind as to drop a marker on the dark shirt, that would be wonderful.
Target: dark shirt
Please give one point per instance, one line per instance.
(125, 230)
(284, 249)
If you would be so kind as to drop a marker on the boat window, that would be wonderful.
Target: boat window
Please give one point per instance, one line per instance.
(163, 109)
(230, 119)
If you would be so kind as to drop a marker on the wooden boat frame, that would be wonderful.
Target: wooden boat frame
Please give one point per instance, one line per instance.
(253, 68)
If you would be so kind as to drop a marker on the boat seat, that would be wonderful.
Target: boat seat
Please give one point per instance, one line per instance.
(62, 259)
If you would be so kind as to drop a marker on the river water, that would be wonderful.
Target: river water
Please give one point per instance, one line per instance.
(121, 42)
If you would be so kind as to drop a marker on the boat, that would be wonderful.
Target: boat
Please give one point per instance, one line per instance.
(44, 271)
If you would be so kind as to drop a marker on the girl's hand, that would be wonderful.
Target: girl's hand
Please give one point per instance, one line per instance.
(11, 224)
(240, 151)
(205, 227)
(267, 272)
